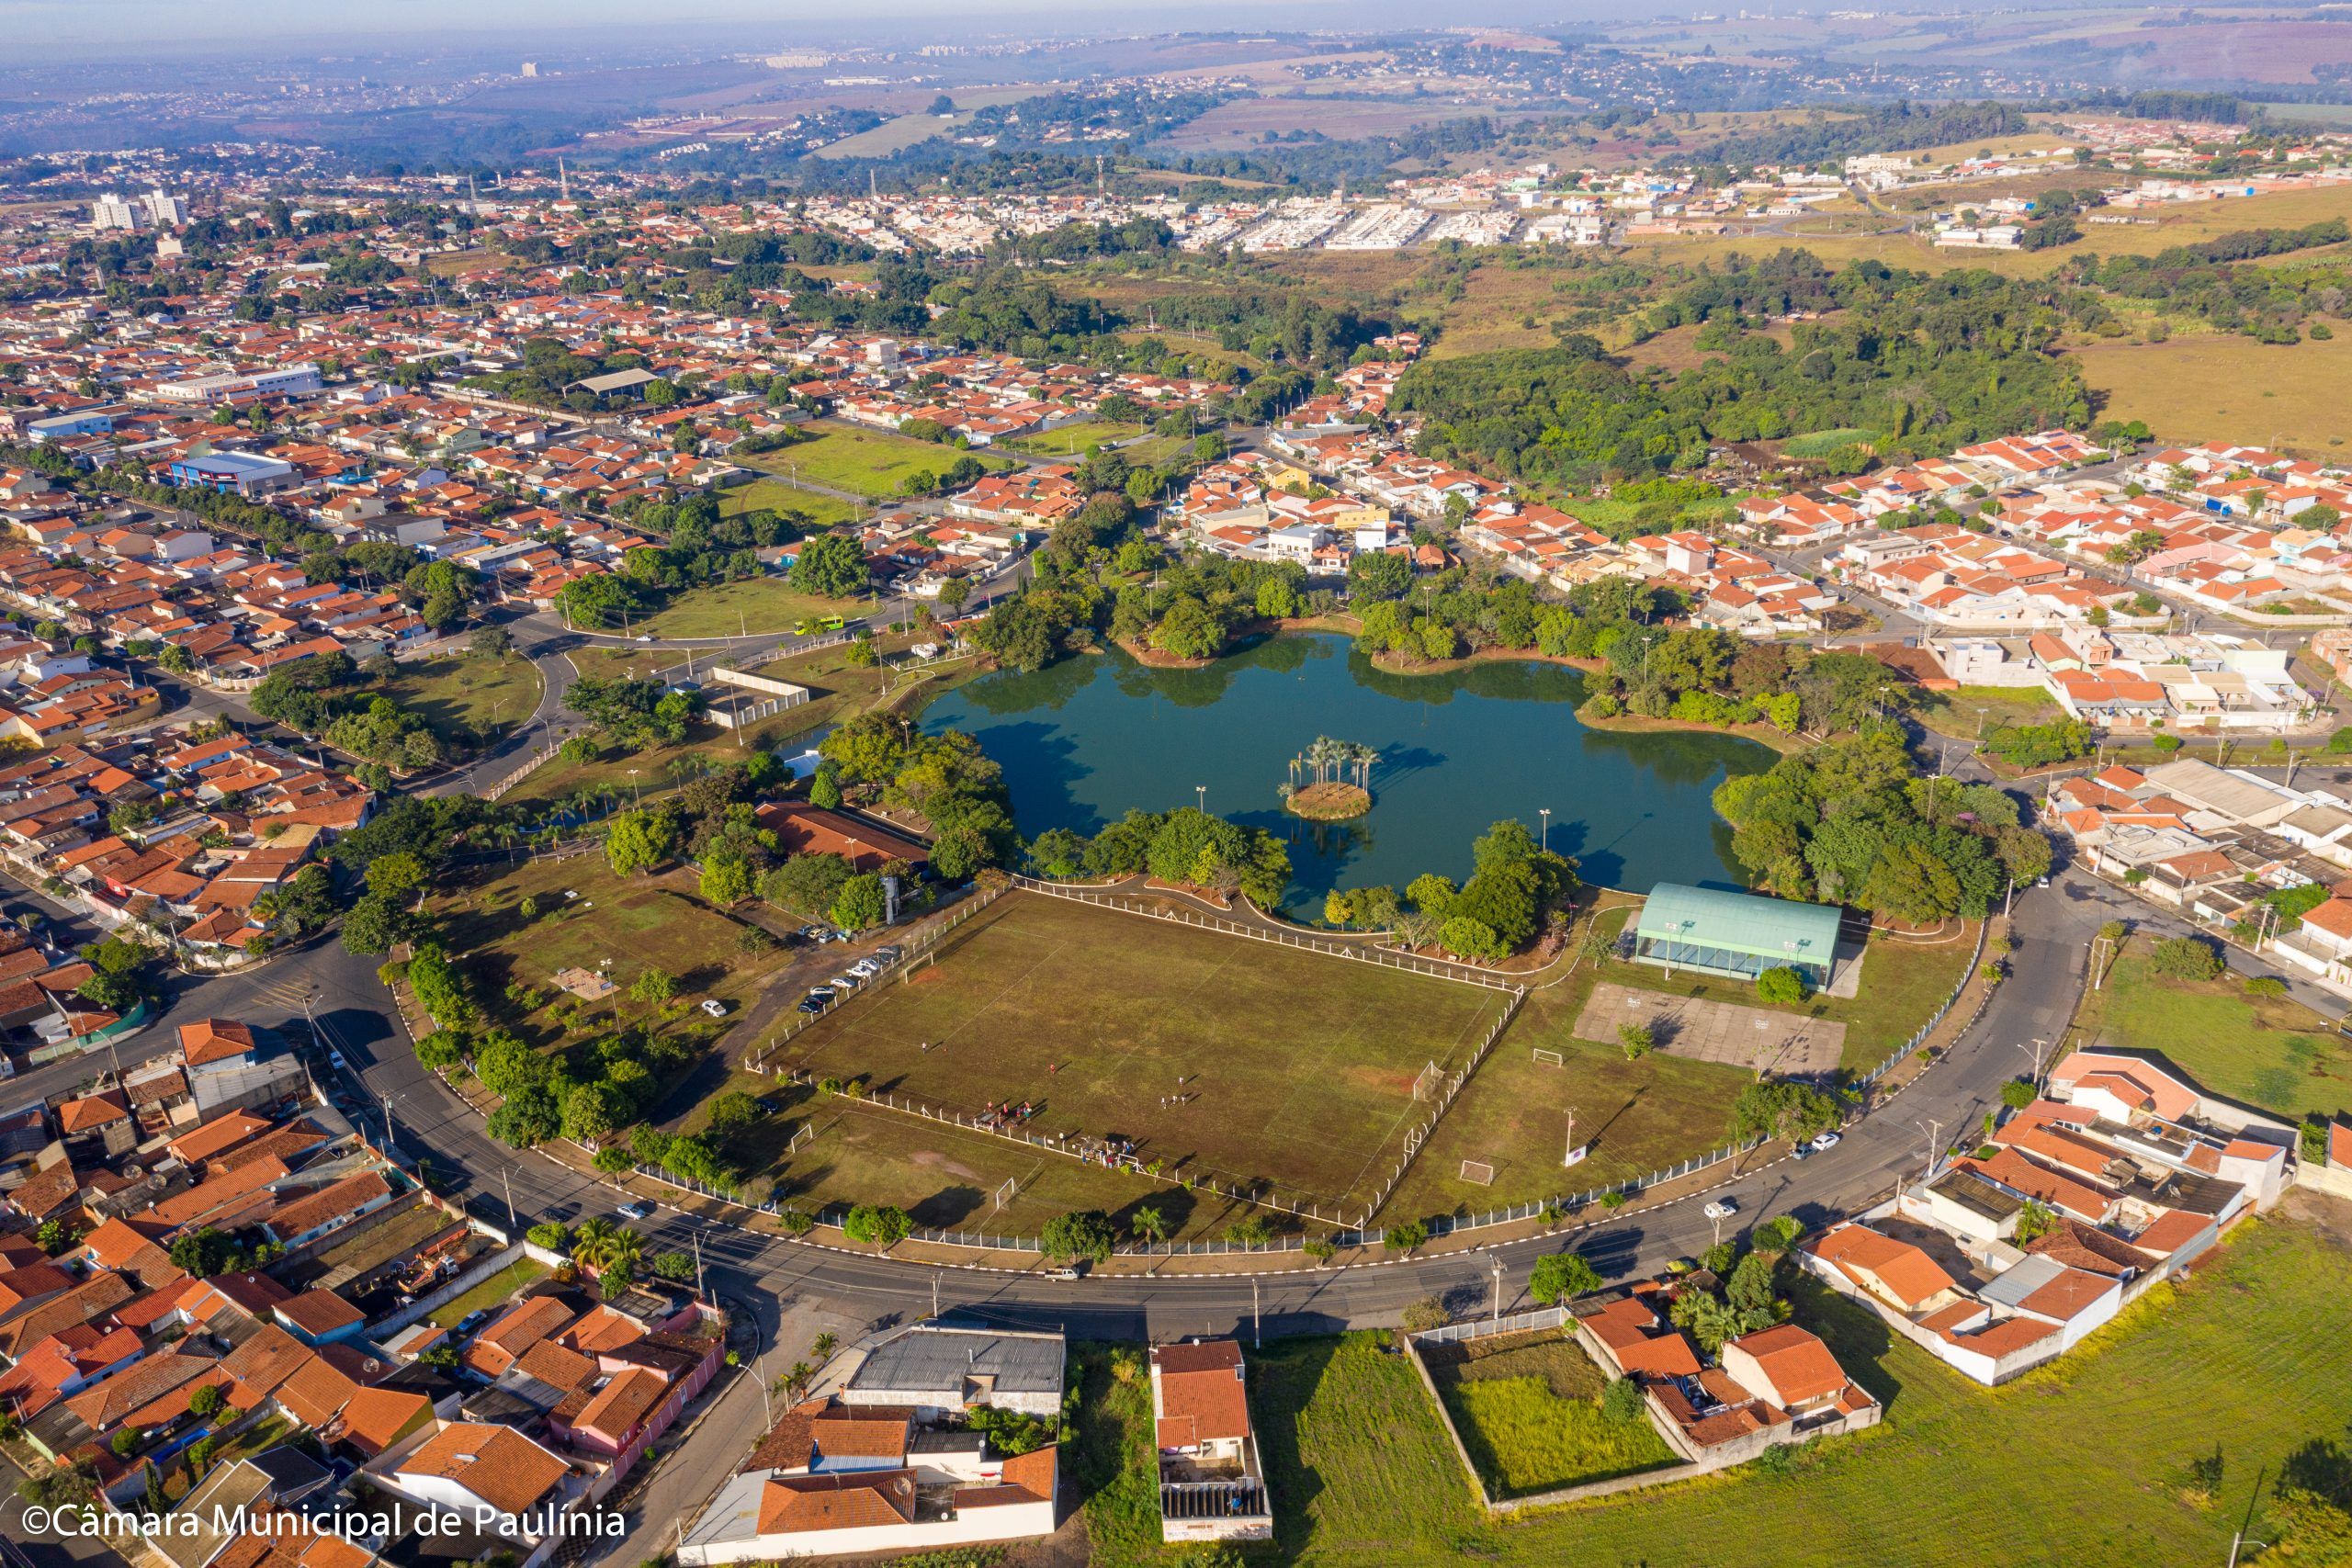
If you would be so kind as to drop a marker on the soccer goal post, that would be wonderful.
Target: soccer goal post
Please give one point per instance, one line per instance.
(1478, 1170)
(1425, 1086)
(807, 1129)
(1004, 1193)
(1546, 1059)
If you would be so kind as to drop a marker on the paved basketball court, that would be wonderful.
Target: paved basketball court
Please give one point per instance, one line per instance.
(1785, 1044)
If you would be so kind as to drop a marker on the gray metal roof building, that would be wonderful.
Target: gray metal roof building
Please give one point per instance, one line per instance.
(1717, 931)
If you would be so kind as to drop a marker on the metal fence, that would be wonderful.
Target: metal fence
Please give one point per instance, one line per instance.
(1445, 1226)
(1489, 1327)
(919, 944)
(1436, 968)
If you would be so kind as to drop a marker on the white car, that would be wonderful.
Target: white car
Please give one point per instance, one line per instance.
(714, 1007)
(1825, 1140)
(334, 1060)
(865, 968)
(1722, 1208)
(636, 1210)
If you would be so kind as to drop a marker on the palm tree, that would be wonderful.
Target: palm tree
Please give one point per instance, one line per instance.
(594, 1233)
(1149, 1225)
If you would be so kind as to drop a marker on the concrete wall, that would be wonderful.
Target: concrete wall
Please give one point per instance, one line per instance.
(1011, 1521)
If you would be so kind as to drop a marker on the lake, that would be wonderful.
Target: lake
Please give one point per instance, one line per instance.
(1085, 739)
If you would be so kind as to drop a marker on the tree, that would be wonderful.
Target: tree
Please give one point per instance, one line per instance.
(1781, 1108)
(2016, 1094)
(1084, 1236)
(653, 987)
(1562, 1274)
(728, 879)
(2186, 958)
(862, 903)
(1638, 1039)
(641, 840)
(207, 1401)
(674, 1265)
(1410, 1236)
(1622, 1400)
(2035, 1220)
(830, 564)
(881, 1226)
(1780, 986)
(1252, 1229)
(1148, 1224)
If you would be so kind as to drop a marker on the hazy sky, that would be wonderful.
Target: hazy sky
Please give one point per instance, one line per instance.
(98, 27)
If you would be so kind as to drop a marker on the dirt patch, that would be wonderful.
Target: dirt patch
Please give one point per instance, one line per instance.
(1787, 1045)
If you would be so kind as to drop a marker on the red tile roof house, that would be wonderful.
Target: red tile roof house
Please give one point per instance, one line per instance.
(1210, 1486)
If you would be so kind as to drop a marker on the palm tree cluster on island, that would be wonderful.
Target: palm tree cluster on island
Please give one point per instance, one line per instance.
(1329, 765)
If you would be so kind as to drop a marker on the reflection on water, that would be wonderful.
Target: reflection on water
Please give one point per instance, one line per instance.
(1084, 740)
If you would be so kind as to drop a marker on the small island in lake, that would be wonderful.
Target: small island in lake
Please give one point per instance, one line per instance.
(1327, 796)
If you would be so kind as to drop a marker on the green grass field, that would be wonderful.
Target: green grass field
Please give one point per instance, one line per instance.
(1072, 442)
(2083, 1463)
(871, 463)
(636, 923)
(1528, 1409)
(507, 1282)
(749, 605)
(1638, 1116)
(775, 495)
(464, 697)
(946, 1178)
(1298, 1067)
(2271, 1052)
(1970, 711)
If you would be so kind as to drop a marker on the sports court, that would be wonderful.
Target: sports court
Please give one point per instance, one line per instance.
(1218, 1054)
(1761, 1040)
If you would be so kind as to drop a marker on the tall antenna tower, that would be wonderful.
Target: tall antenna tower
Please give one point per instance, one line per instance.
(1100, 189)
(562, 181)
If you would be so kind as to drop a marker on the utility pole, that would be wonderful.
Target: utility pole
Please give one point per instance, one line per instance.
(1546, 812)
(507, 1175)
(1934, 1142)
(1499, 1287)
(934, 1295)
(2040, 1045)
(698, 1240)
(1569, 1154)
(1257, 1322)
(2238, 1539)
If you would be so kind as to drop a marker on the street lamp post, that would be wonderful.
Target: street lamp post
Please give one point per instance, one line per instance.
(1201, 793)
(1546, 812)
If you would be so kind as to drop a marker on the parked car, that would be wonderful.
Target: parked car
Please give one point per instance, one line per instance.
(817, 1001)
(888, 952)
(714, 1007)
(1803, 1151)
(1064, 1273)
(473, 1321)
(636, 1210)
(865, 968)
(1722, 1208)
(1825, 1140)
(844, 982)
(334, 1060)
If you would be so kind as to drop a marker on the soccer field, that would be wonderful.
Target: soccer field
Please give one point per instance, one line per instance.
(1278, 1065)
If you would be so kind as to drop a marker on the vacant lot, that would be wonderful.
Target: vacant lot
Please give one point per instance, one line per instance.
(626, 925)
(871, 463)
(1970, 712)
(468, 700)
(1290, 1068)
(775, 495)
(748, 605)
(2272, 1053)
(2208, 386)
(496, 1290)
(1528, 1409)
(2086, 1464)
